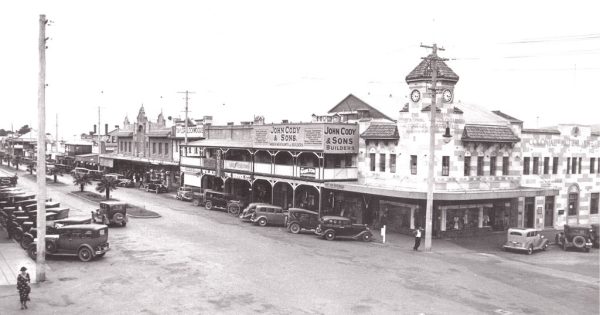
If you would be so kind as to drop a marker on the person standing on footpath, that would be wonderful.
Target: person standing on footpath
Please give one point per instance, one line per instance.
(418, 233)
(23, 287)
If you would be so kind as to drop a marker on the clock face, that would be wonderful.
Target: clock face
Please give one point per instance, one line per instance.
(447, 96)
(415, 95)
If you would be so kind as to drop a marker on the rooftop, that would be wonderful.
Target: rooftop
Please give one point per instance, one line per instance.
(423, 72)
(381, 131)
(489, 133)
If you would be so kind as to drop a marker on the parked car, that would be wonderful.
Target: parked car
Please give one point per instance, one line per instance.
(268, 215)
(86, 241)
(332, 227)
(80, 171)
(49, 205)
(528, 240)
(301, 219)
(95, 175)
(250, 209)
(111, 212)
(51, 228)
(577, 236)
(219, 200)
(120, 179)
(186, 193)
(595, 235)
(156, 186)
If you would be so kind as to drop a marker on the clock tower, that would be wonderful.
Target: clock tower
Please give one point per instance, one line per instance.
(419, 82)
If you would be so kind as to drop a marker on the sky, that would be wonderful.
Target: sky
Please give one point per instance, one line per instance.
(535, 60)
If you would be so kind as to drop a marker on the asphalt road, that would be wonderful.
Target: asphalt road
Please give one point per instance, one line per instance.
(195, 261)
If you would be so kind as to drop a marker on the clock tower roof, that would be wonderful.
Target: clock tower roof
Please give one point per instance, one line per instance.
(423, 72)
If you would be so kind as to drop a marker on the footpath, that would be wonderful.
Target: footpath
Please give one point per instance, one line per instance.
(12, 258)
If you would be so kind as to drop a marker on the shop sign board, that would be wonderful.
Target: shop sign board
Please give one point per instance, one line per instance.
(189, 170)
(308, 172)
(238, 176)
(192, 131)
(330, 138)
(107, 162)
(209, 172)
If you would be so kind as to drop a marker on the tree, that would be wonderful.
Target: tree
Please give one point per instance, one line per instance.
(3, 133)
(55, 171)
(105, 185)
(23, 130)
(82, 180)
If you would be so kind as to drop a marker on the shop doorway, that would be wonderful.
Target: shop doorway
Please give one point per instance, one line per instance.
(529, 212)
(549, 212)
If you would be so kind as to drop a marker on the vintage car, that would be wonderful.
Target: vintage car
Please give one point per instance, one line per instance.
(80, 171)
(187, 193)
(95, 175)
(59, 213)
(219, 200)
(332, 227)
(51, 228)
(250, 209)
(86, 241)
(49, 205)
(527, 240)
(121, 180)
(9, 181)
(577, 236)
(595, 235)
(156, 186)
(111, 212)
(268, 215)
(301, 219)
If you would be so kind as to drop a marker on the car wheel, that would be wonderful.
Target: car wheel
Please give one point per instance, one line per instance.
(295, 228)
(530, 250)
(545, 246)
(330, 235)
(18, 234)
(32, 252)
(262, 222)
(366, 237)
(579, 241)
(50, 247)
(26, 241)
(234, 209)
(196, 202)
(85, 254)
(208, 205)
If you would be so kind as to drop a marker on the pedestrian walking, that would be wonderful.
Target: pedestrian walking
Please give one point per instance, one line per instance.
(23, 287)
(418, 233)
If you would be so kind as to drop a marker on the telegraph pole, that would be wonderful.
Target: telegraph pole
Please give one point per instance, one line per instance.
(433, 63)
(186, 116)
(41, 156)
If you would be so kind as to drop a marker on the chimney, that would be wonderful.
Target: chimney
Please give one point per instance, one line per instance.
(105, 129)
(230, 123)
(284, 121)
(94, 128)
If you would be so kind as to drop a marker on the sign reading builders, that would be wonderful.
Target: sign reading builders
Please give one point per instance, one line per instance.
(329, 138)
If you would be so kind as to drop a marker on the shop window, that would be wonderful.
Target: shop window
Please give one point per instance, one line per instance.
(592, 165)
(372, 162)
(392, 163)
(382, 162)
(505, 165)
(467, 166)
(536, 165)
(166, 148)
(555, 165)
(129, 145)
(573, 203)
(153, 148)
(526, 166)
(598, 168)
(159, 148)
(480, 166)
(413, 164)
(445, 165)
(579, 166)
(546, 165)
(349, 160)
(492, 166)
(461, 219)
(594, 199)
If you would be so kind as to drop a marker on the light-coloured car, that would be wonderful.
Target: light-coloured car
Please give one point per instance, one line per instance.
(269, 215)
(527, 240)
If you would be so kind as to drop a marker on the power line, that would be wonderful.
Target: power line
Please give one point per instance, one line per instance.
(555, 39)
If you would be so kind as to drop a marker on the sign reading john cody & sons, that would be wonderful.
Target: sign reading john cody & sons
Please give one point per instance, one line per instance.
(329, 138)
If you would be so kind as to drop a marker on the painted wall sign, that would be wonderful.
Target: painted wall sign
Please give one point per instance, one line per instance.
(192, 132)
(330, 138)
(189, 170)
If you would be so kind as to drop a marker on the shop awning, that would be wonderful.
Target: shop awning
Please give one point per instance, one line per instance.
(137, 159)
(441, 195)
(90, 158)
(489, 133)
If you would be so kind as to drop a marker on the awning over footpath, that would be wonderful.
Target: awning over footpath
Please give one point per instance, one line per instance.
(220, 143)
(441, 195)
(137, 159)
(90, 158)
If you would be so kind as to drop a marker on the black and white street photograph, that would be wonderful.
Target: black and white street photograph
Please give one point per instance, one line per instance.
(299, 157)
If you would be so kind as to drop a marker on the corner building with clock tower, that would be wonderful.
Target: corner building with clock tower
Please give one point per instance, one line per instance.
(478, 166)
